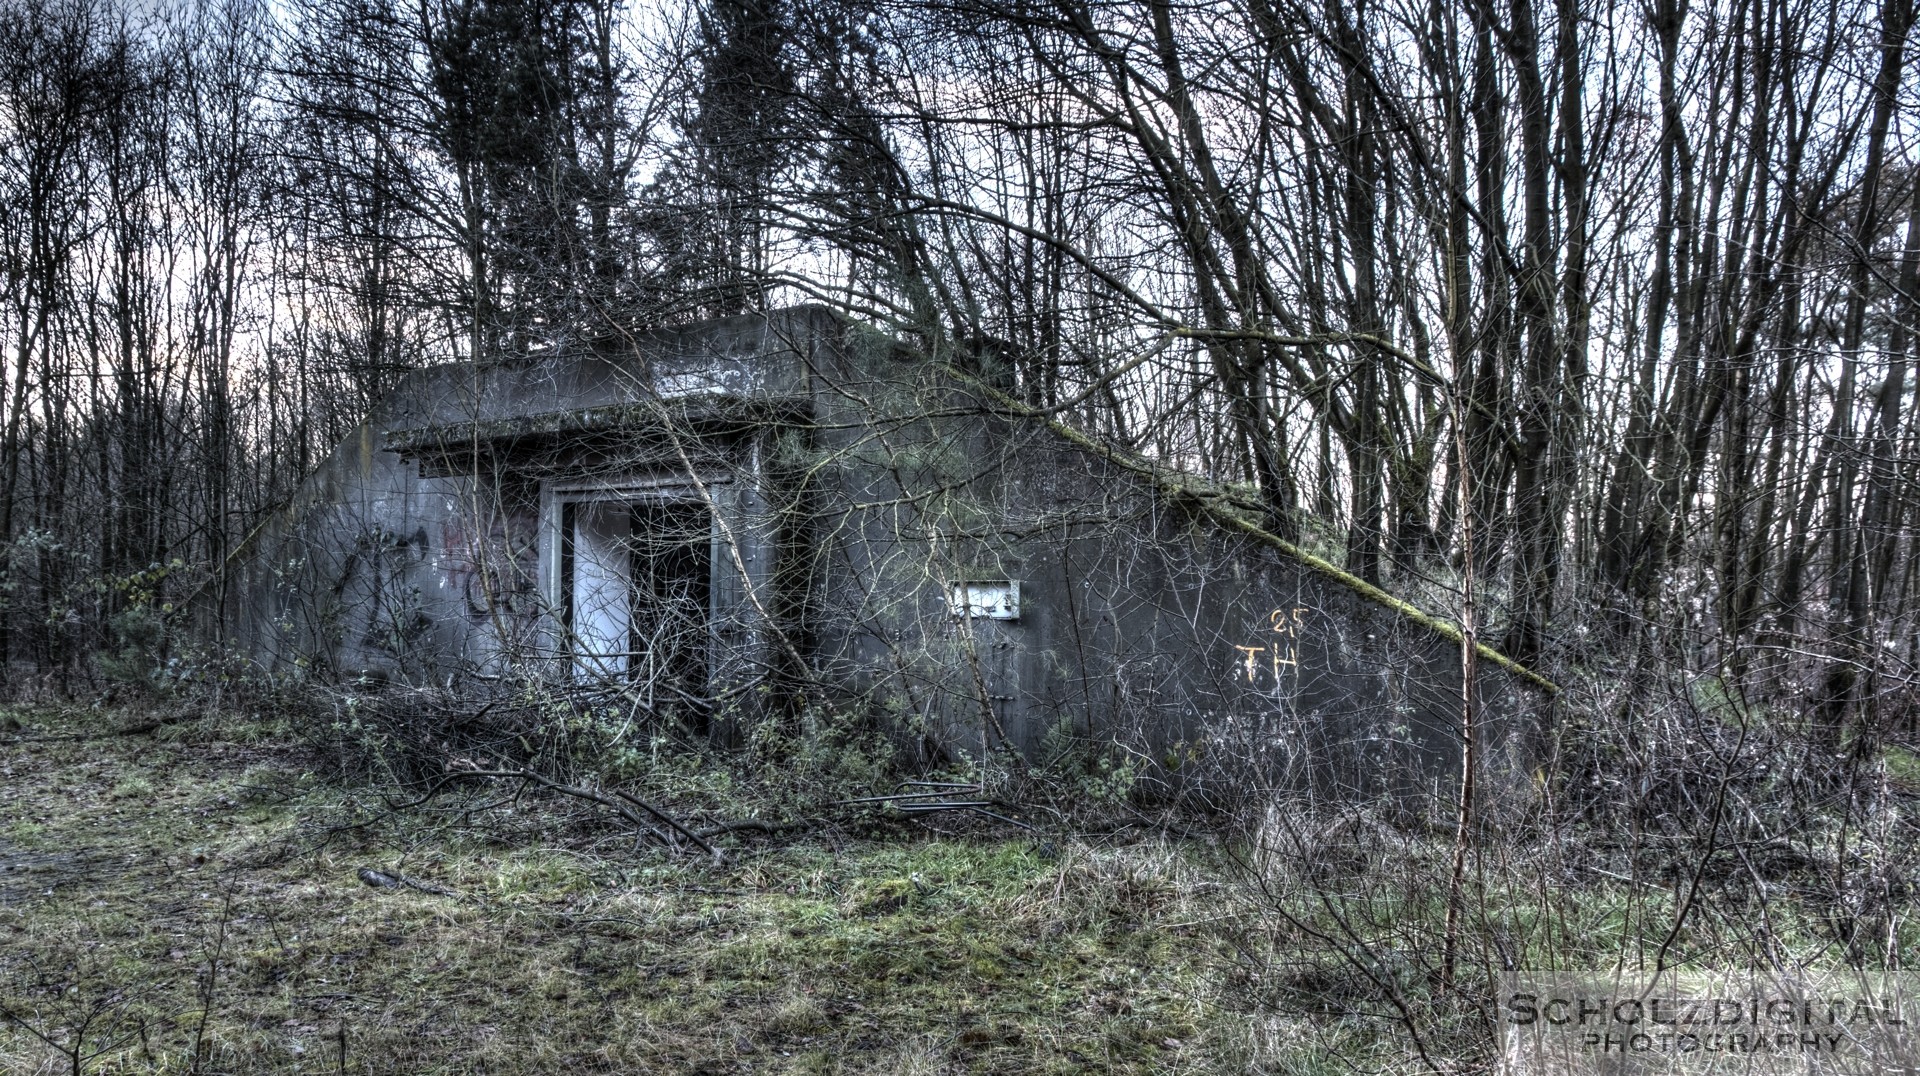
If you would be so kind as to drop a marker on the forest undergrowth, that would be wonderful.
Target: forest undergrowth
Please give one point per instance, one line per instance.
(210, 892)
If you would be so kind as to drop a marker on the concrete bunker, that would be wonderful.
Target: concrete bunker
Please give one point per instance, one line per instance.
(752, 513)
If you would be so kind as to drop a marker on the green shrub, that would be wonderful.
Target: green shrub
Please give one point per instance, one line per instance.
(137, 652)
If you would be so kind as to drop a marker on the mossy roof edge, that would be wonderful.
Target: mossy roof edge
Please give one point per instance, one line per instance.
(1165, 482)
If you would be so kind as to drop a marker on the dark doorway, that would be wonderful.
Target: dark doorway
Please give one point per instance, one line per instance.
(672, 573)
(637, 581)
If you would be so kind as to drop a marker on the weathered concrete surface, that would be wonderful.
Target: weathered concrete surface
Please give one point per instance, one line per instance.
(1144, 620)
(415, 551)
(852, 489)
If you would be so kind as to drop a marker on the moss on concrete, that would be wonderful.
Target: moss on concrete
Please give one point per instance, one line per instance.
(1213, 503)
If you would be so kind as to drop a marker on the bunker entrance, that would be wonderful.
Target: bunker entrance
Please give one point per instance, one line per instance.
(637, 575)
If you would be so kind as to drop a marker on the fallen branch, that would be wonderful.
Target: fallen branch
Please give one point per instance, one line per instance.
(930, 802)
(673, 822)
(137, 729)
(612, 803)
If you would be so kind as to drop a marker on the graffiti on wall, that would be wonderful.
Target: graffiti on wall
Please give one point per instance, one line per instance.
(376, 609)
(492, 568)
(1278, 654)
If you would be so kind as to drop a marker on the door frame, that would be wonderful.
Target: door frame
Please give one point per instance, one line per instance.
(556, 495)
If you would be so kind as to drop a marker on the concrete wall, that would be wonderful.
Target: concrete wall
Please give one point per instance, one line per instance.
(423, 547)
(1143, 620)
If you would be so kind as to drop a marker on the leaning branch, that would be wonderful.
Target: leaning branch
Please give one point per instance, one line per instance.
(621, 804)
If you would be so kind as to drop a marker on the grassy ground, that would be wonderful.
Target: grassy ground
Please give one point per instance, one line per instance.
(188, 900)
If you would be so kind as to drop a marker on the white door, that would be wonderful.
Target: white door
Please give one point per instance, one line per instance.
(602, 598)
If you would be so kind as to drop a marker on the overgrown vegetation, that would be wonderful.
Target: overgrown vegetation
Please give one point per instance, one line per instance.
(188, 898)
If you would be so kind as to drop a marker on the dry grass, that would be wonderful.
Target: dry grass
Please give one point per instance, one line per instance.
(188, 901)
(191, 899)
